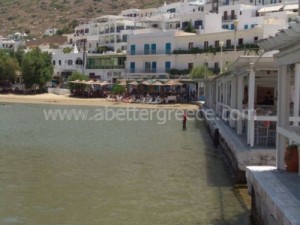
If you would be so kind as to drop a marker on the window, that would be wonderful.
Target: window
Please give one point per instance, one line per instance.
(168, 48)
(124, 38)
(198, 24)
(59, 62)
(147, 67)
(228, 43)
(86, 30)
(173, 10)
(241, 41)
(132, 49)
(185, 24)
(232, 14)
(246, 26)
(78, 61)
(232, 26)
(53, 62)
(70, 62)
(132, 67)
(205, 44)
(146, 49)
(153, 48)
(167, 66)
(255, 39)
(216, 66)
(191, 45)
(217, 44)
(153, 67)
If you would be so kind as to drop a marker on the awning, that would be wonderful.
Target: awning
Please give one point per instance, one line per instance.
(291, 7)
(270, 8)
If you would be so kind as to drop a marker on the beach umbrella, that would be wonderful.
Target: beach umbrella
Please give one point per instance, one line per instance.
(157, 83)
(104, 83)
(90, 82)
(75, 82)
(133, 83)
(173, 83)
(97, 82)
(145, 82)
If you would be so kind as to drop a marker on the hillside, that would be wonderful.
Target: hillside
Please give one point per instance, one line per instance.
(35, 16)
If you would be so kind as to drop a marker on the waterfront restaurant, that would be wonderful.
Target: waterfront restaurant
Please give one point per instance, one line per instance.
(245, 98)
(274, 191)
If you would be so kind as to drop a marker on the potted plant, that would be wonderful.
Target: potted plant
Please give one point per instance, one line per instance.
(291, 158)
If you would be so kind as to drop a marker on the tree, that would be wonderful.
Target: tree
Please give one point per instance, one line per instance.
(8, 67)
(37, 68)
(67, 50)
(190, 28)
(200, 72)
(77, 76)
(118, 89)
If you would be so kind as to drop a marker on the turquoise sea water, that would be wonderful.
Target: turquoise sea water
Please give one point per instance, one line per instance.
(110, 172)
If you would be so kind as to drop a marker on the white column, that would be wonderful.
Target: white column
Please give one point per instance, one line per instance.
(297, 92)
(240, 96)
(115, 36)
(283, 113)
(225, 92)
(251, 95)
(233, 99)
(217, 95)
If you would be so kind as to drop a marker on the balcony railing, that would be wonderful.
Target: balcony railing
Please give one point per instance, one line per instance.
(229, 18)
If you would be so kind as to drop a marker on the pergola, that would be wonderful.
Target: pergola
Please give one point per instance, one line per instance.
(287, 41)
(235, 96)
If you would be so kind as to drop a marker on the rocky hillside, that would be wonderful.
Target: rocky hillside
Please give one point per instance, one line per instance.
(35, 16)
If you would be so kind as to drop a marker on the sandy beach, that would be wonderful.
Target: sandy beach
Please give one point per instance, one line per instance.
(66, 100)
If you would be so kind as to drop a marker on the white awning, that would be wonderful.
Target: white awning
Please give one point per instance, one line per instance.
(270, 8)
(291, 7)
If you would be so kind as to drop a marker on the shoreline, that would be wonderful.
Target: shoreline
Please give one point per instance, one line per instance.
(53, 99)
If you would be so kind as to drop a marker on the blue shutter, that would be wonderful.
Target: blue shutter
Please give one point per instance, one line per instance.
(132, 49)
(153, 49)
(167, 66)
(168, 48)
(153, 67)
(132, 67)
(146, 49)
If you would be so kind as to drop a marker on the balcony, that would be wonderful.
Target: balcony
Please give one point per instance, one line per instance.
(229, 18)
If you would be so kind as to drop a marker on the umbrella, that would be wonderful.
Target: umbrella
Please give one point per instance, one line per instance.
(90, 82)
(75, 82)
(123, 83)
(105, 83)
(157, 83)
(133, 83)
(145, 82)
(173, 83)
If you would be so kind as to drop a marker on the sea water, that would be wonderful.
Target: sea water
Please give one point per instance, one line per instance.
(81, 172)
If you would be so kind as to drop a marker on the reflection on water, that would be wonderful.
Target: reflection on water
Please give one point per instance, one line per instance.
(110, 172)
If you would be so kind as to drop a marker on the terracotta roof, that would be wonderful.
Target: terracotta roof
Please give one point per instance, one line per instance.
(48, 40)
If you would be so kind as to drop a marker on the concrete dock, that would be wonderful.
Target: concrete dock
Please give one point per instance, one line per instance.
(275, 196)
(238, 153)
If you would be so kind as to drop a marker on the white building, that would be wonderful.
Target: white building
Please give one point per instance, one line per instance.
(275, 191)
(109, 31)
(154, 41)
(50, 31)
(9, 44)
